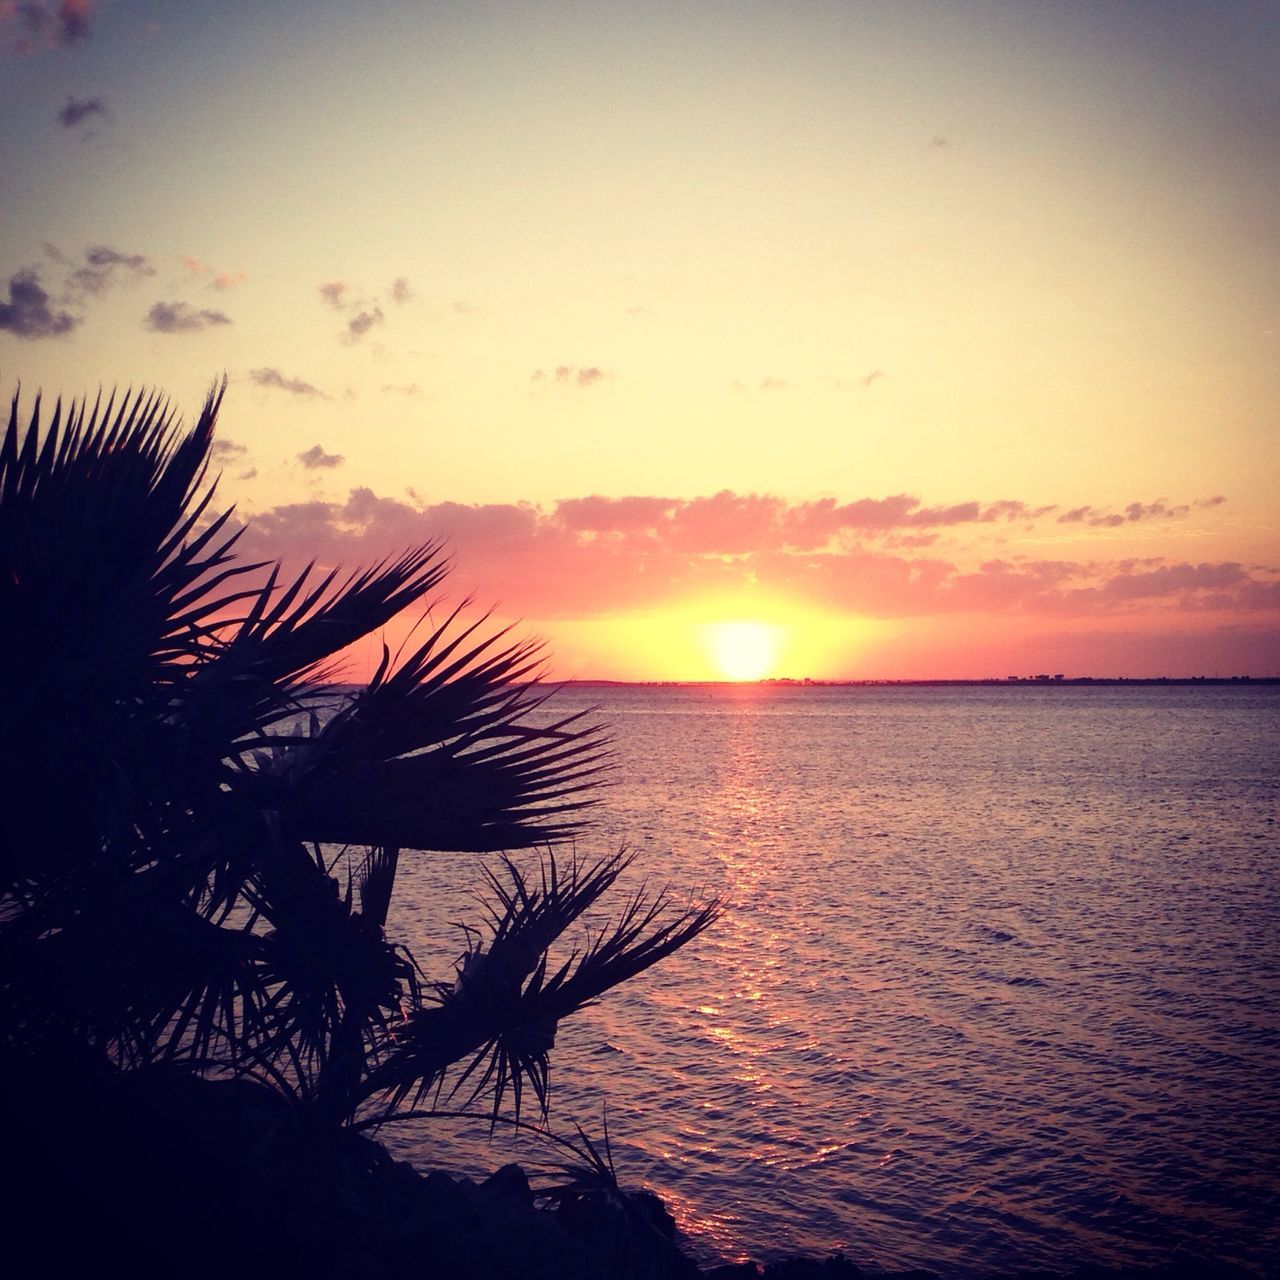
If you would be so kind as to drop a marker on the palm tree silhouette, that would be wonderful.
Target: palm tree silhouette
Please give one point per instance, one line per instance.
(201, 839)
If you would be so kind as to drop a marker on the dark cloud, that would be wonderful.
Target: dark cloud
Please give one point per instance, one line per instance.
(78, 110)
(1103, 518)
(400, 291)
(31, 311)
(42, 25)
(28, 313)
(316, 457)
(274, 378)
(74, 18)
(104, 267)
(226, 450)
(179, 317)
(362, 322)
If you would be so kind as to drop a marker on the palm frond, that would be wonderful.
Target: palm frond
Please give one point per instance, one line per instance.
(500, 1016)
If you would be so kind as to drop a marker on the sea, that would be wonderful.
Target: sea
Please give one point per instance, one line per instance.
(996, 986)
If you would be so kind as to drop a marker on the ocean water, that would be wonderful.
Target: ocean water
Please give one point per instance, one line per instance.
(997, 986)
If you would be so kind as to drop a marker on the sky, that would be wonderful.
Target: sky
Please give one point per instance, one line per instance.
(840, 340)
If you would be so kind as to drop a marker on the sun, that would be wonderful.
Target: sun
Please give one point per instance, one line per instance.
(743, 650)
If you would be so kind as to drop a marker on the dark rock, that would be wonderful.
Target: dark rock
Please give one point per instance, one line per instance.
(508, 1184)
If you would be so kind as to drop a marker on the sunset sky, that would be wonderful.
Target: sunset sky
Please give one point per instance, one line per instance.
(927, 339)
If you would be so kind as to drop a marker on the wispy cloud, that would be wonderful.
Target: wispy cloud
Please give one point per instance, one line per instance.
(268, 377)
(1107, 518)
(570, 375)
(402, 389)
(29, 312)
(104, 267)
(316, 457)
(216, 279)
(180, 317)
(77, 110)
(334, 293)
(224, 450)
(363, 313)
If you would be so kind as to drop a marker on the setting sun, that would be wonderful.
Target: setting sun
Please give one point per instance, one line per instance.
(743, 650)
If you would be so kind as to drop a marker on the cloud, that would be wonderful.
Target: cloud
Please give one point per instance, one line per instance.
(939, 143)
(362, 322)
(316, 457)
(570, 375)
(596, 555)
(873, 377)
(220, 280)
(78, 110)
(104, 267)
(615, 515)
(28, 313)
(334, 293)
(179, 317)
(31, 311)
(274, 378)
(400, 291)
(42, 25)
(1105, 518)
(225, 450)
(404, 389)
(773, 384)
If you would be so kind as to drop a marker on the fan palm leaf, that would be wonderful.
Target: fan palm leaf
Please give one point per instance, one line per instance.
(183, 794)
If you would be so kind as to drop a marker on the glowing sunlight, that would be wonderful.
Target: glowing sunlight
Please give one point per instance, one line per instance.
(743, 650)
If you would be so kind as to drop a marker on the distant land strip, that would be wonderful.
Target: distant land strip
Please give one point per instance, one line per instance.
(1009, 682)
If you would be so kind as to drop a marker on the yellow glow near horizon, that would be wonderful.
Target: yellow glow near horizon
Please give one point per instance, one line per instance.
(681, 644)
(743, 650)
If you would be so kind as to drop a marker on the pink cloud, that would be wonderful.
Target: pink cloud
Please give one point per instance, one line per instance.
(595, 556)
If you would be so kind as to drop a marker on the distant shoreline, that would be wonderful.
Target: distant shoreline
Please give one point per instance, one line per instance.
(1020, 682)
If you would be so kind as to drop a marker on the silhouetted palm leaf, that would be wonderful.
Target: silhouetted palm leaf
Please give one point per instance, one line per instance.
(176, 780)
(500, 1016)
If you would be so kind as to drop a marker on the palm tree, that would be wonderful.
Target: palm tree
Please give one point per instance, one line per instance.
(201, 838)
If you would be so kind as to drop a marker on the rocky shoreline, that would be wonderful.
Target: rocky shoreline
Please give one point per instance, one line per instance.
(166, 1174)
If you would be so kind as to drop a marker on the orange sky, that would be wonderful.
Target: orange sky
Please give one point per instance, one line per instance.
(935, 340)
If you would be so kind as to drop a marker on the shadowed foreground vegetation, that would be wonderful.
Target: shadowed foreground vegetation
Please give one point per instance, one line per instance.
(201, 1017)
(200, 1012)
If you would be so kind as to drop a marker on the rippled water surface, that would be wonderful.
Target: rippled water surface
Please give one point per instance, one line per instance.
(997, 985)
